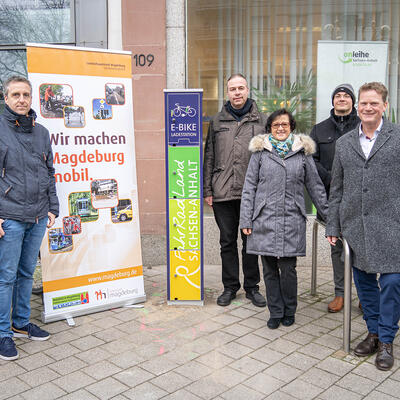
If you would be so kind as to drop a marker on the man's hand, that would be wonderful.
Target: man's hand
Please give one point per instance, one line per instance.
(247, 231)
(2, 233)
(52, 219)
(332, 240)
(209, 200)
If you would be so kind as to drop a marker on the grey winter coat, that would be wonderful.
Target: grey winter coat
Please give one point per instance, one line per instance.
(226, 153)
(27, 183)
(364, 203)
(273, 197)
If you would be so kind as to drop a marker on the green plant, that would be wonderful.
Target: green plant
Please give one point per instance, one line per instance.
(297, 97)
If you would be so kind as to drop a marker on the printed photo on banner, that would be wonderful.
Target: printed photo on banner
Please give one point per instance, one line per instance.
(101, 110)
(122, 212)
(74, 117)
(115, 94)
(53, 99)
(72, 225)
(80, 204)
(104, 193)
(59, 242)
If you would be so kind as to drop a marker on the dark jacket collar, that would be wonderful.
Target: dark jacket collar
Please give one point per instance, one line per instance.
(252, 115)
(25, 122)
(345, 119)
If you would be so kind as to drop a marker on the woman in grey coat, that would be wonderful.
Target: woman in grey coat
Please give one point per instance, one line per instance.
(272, 211)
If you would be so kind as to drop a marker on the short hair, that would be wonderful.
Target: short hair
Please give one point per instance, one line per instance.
(278, 113)
(15, 78)
(379, 88)
(238, 75)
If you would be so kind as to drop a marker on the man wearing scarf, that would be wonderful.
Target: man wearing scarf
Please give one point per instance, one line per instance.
(28, 203)
(225, 163)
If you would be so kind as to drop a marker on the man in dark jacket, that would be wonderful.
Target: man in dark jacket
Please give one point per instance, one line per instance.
(343, 119)
(225, 164)
(364, 209)
(28, 203)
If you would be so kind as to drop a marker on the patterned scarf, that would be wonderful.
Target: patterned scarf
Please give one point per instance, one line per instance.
(282, 146)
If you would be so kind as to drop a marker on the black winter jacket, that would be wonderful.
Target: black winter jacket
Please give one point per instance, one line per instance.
(325, 135)
(227, 154)
(27, 182)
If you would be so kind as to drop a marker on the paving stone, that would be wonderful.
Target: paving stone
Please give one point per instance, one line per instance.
(228, 376)
(336, 366)
(63, 337)
(32, 347)
(234, 350)
(101, 370)
(79, 395)
(67, 366)
(320, 378)
(8, 370)
(146, 391)
(34, 361)
(253, 341)
(13, 387)
(254, 323)
(329, 341)
(314, 329)
(266, 355)
(93, 355)
(237, 329)
(107, 388)
(338, 393)
(127, 359)
(376, 395)
(300, 361)
(206, 388)
(158, 365)
(215, 359)
(302, 390)
(243, 312)
(263, 383)
(283, 372)
(47, 391)
(193, 370)
(171, 381)
(39, 376)
(316, 350)
(298, 337)
(62, 351)
(390, 387)
(241, 392)
(283, 346)
(182, 394)
(74, 381)
(107, 322)
(118, 346)
(87, 342)
(368, 370)
(279, 395)
(248, 365)
(357, 383)
(133, 376)
(226, 319)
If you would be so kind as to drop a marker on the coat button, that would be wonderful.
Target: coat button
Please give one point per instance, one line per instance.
(365, 190)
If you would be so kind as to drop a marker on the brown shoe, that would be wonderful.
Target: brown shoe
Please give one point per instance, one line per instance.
(368, 346)
(336, 304)
(384, 358)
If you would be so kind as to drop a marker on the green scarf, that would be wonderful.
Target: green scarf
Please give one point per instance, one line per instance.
(282, 146)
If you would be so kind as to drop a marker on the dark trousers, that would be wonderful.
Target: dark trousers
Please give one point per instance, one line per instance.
(280, 277)
(380, 303)
(227, 215)
(338, 268)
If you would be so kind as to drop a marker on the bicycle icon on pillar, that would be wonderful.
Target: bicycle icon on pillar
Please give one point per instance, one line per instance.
(183, 111)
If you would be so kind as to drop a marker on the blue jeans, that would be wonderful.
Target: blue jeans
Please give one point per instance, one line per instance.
(19, 249)
(380, 303)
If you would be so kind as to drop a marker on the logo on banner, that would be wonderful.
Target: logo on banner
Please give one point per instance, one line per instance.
(100, 295)
(70, 300)
(358, 58)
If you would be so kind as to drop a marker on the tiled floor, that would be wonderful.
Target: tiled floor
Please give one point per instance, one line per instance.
(209, 352)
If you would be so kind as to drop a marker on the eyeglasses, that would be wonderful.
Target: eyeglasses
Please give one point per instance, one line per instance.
(276, 125)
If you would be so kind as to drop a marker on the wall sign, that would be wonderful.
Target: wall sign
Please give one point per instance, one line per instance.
(184, 155)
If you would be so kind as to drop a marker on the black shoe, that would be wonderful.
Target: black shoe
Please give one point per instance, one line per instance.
(368, 346)
(226, 297)
(273, 323)
(384, 358)
(288, 320)
(256, 298)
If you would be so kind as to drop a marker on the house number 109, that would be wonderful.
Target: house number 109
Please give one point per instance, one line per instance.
(141, 60)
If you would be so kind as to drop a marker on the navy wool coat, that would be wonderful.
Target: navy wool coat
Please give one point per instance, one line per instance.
(364, 202)
(273, 197)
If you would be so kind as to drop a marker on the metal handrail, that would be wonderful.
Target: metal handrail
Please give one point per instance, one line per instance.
(347, 281)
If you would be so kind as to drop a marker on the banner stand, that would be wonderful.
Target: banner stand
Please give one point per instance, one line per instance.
(184, 196)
